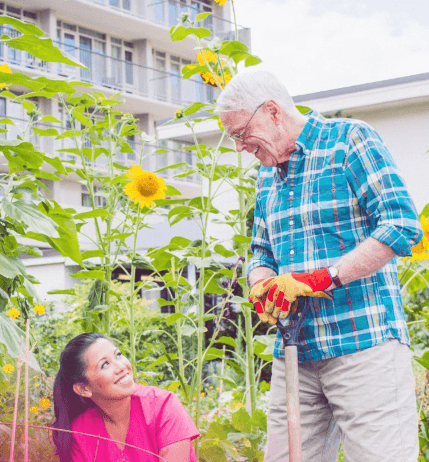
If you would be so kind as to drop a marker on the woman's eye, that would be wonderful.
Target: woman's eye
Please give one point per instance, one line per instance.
(102, 366)
(118, 353)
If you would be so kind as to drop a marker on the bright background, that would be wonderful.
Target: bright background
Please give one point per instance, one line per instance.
(316, 45)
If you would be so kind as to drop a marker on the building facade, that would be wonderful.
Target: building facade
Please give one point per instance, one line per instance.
(126, 46)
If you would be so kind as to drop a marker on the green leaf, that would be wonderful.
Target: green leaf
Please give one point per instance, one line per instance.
(91, 274)
(21, 26)
(241, 421)
(202, 16)
(227, 341)
(221, 250)
(6, 120)
(10, 267)
(252, 60)
(263, 346)
(27, 213)
(195, 107)
(10, 336)
(63, 292)
(233, 46)
(180, 32)
(241, 239)
(179, 164)
(189, 71)
(187, 330)
(174, 317)
(213, 353)
(259, 419)
(226, 379)
(56, 163)
(50, 119)
(172, 191)
(103, 213)
(92, 254)
(303, 109)
(424, 360)
(42, 48)
(45, 132)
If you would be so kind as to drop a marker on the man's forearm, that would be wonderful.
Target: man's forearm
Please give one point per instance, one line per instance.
(365, 259)
(261, 272)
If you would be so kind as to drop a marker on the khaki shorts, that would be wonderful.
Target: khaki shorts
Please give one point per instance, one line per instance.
(366, 400)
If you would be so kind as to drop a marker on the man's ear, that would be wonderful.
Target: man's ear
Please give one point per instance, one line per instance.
(274, 109)
(82, 390)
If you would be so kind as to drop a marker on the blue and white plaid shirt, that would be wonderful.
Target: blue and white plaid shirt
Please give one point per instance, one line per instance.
(342, 186)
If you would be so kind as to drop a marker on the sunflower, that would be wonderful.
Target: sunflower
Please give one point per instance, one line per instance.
(145, 187)
(221, 2)
(5, 68)
(219, 71)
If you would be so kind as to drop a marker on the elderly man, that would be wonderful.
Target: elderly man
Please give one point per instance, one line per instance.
(331, 214)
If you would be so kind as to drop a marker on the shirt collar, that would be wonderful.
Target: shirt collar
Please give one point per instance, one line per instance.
(310, 132)
(307, 137)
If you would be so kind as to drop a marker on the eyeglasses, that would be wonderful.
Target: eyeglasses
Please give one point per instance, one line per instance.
(239, 136)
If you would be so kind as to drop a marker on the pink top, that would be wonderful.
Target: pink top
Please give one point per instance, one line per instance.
(157, 420)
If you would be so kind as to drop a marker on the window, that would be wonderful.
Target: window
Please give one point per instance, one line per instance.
(129, 69)
(175, 79)
(86, 198)
(160, 76)
(116, 66)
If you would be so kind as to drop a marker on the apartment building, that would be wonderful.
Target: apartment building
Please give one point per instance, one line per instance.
(127, 48)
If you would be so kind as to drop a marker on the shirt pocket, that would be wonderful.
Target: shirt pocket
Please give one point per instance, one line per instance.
(331, 203)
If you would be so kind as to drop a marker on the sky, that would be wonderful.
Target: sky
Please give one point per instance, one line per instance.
(316, 45)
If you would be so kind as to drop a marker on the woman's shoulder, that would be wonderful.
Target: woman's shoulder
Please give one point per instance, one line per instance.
(150, 392)
(90, 418)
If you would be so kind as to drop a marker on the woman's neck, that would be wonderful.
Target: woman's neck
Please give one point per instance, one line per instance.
(116, 412)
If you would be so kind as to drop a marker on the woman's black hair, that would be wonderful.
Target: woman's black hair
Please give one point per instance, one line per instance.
(67, 404)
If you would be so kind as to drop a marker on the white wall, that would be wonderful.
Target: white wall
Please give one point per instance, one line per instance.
(405, 130)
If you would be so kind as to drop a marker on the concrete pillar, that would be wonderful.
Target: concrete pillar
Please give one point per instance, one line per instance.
(48, 22)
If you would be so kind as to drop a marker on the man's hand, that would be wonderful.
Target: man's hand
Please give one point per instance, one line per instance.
(273, 297)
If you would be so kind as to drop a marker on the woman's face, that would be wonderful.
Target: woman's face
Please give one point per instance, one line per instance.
(108, 372)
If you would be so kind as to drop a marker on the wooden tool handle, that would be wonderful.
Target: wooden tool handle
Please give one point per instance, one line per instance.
(292, 403)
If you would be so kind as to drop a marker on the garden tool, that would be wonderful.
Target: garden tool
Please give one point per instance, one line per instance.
(290, 334)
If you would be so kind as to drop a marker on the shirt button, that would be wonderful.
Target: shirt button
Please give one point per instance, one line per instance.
(292, 252)
(291, 222)
(291, 193)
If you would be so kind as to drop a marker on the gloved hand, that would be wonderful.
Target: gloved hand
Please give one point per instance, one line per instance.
(272, 297)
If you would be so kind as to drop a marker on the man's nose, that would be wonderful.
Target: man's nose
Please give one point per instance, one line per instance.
(239, 145)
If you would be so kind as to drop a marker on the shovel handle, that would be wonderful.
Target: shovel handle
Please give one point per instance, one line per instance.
(292, 403)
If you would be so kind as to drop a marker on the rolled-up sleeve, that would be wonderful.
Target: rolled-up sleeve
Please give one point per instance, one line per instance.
(381, 191)
(261, 246)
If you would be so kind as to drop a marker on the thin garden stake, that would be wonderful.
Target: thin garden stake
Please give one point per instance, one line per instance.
(15, 408)
(27, 354)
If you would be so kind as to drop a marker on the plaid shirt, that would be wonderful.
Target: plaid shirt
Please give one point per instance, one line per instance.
(342, 186)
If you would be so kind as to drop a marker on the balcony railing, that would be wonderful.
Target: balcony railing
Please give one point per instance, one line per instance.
(169, 12)
(54, 147)
(118, 75)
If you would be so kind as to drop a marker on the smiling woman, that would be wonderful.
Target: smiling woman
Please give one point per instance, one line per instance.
(95, 394)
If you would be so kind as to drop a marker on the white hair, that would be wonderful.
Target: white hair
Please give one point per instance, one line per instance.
(246, 91)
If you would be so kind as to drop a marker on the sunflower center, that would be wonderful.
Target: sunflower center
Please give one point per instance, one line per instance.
(147, 185)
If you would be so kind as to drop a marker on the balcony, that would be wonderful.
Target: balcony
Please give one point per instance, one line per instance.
(117, 75)
(168, 13)
(51, 146)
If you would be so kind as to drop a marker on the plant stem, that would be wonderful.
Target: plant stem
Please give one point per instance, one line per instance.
(246, 311)
(235, 20)
(132, 285)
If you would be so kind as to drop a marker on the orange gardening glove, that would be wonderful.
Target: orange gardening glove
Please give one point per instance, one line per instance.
(273, 297)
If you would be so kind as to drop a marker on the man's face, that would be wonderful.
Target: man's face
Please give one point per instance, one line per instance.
(260, 136)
